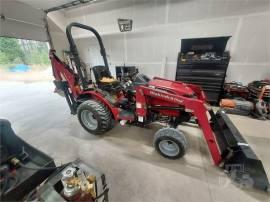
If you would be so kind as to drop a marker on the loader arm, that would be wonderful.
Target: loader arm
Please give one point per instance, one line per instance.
(197, 89)
(196, 106)
(227, 146)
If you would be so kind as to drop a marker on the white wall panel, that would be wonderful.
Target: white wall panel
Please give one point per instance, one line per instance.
(151, 70)
(59, 19)
(148, 13)
(188, 10)
(170, 70)
(116, 48)
(159, 26)
(60, 42)
(248, 72)
(253, 42)
(238, 7)
(89, 51)
(143, 47)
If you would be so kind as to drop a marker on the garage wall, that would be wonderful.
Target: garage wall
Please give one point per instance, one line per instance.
(159, 26)
(57, 28)
(22, 21)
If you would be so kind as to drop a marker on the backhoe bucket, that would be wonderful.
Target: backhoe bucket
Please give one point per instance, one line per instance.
(239, 160)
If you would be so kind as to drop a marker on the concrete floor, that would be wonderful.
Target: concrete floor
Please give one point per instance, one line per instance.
(135, 172)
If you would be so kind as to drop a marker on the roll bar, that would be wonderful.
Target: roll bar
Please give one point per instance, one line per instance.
(74, 50)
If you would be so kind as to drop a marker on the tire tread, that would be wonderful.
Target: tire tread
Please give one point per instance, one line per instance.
(103, 112)
(174, 134)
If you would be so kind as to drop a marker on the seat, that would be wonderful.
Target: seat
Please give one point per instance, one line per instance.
(100, 72)
(104, 79)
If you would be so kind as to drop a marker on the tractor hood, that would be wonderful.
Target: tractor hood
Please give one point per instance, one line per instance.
(174, 87)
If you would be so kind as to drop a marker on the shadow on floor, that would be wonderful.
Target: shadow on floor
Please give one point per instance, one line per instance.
(137, 143)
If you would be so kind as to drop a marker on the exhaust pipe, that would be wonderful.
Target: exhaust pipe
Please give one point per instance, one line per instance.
(239, 160)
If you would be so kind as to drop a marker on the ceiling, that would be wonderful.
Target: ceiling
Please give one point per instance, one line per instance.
(45, 4)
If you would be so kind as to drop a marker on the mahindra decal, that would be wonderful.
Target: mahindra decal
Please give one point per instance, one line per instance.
(166, 97)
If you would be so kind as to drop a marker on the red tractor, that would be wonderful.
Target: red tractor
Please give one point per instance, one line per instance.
(100, 102)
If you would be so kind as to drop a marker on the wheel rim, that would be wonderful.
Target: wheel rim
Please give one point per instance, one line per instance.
(169, 148)
(89, 120)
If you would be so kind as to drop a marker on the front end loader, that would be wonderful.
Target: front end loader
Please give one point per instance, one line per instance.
(101, 101)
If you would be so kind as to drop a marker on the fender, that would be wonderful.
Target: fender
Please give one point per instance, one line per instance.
(97, 96)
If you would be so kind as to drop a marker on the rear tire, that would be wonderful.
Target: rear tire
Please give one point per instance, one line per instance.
(94, 117)
(170, 143)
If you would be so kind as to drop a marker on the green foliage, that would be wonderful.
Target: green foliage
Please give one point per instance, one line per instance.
(3, 58)
(38, 57)
(10, 50)
(38, 53)
(15, 51)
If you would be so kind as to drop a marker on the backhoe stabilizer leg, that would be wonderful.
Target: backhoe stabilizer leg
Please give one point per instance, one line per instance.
(63, 85)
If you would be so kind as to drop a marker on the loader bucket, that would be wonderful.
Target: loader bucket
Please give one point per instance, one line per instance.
(239, 160)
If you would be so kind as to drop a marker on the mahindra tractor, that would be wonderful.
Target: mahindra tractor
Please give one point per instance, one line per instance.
(100, 101)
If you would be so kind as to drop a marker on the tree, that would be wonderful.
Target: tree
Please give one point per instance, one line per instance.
(10, 50)
(23, 51)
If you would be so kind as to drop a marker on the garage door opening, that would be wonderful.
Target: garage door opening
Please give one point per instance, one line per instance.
(24, 60)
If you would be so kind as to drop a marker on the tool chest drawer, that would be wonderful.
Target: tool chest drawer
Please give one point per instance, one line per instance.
(200, 72)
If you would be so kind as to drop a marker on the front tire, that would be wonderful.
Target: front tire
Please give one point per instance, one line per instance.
(94, 117)
(170, 143)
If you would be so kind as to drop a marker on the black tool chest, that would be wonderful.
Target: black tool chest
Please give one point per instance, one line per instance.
(204, 61)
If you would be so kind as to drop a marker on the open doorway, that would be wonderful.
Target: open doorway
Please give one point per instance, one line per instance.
(24, 60)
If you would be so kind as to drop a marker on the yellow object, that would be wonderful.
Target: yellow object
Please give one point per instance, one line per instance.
(87, 187)
(91, 178)
(107, 80)
(15, 161)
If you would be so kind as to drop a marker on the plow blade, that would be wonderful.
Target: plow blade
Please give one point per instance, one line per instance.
(239, 160)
